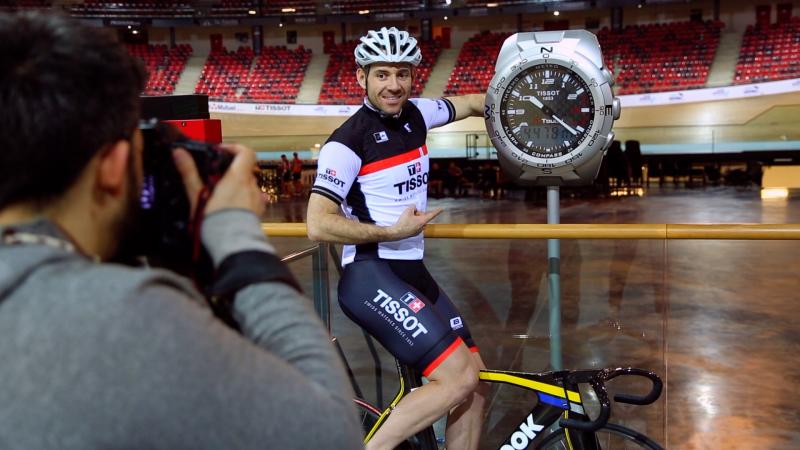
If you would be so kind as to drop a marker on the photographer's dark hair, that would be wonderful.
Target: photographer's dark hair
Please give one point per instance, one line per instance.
(66, 92)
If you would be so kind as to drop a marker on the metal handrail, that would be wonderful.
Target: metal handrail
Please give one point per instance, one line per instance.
(584, 231)
(292, 257)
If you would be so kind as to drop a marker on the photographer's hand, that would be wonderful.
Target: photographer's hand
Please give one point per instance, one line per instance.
(237, 189)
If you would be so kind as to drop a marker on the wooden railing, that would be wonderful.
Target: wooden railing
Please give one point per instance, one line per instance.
(584, 231)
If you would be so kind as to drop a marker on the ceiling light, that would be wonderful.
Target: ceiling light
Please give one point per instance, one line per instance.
(445, 17)
(364, 11)
(556, 13)
(252, 12)
(491, 5)
(288, 10)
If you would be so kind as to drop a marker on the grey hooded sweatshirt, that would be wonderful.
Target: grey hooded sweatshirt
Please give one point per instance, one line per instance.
(104, 356)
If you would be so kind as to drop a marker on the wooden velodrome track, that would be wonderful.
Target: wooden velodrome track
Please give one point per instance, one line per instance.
(763, 118)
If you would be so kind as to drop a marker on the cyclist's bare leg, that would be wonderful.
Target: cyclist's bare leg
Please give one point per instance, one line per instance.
(465, 421)
(448, 385)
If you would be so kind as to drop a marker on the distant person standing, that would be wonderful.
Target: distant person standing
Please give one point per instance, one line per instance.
(453, 181)
(297, 172)
(284, 174)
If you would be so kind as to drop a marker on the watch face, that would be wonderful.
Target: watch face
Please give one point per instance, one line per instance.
(547, 110)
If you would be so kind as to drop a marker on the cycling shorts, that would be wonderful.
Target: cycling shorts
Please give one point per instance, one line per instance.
(399, 303)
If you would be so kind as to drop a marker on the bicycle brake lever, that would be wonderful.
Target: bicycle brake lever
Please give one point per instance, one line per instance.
(602, 418)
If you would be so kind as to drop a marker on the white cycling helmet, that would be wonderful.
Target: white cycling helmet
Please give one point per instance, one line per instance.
(387, 45)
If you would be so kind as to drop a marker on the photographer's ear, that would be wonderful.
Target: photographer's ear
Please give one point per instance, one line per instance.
(112, 167)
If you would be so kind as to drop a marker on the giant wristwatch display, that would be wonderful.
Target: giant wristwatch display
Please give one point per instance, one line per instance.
(550, 108)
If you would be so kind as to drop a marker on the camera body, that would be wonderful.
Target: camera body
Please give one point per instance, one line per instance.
(165, 227)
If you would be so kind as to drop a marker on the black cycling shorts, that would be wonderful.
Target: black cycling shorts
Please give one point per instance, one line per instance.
(399, 303)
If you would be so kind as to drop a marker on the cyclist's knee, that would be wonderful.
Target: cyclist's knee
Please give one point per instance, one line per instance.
(458, 374)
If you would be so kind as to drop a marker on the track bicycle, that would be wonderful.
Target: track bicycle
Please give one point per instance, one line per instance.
(558, 419)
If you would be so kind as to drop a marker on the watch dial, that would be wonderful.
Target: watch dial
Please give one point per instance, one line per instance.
(547, 110)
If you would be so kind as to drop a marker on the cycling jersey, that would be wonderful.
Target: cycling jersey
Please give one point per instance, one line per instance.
(376, 166)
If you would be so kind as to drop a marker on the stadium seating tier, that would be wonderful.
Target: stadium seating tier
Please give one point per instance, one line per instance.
(769, 53)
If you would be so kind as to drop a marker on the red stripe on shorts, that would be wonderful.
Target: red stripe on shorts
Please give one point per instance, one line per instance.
(439, 359)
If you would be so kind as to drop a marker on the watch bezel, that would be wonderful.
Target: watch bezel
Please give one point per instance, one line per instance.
(581, 66)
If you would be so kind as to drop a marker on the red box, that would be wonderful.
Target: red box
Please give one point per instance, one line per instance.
(206, 130)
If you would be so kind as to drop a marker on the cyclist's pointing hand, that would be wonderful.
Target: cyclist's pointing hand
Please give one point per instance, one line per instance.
(412, 222)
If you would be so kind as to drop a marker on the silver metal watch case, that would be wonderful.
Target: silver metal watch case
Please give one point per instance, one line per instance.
(579, 52)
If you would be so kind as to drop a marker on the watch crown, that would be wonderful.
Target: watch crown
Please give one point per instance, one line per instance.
(616, 108)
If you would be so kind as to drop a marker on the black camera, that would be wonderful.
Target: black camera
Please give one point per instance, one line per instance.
(167, 234)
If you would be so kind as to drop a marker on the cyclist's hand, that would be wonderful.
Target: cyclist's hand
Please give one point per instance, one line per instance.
(412, 222)
(236, 189)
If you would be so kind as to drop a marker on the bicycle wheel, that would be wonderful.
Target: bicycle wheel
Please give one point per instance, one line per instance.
(369, 414)
(610, 437)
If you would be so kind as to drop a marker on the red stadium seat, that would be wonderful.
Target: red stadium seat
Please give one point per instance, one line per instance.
(769, 53)
(474, 67)
(164, 65)
(661, 57)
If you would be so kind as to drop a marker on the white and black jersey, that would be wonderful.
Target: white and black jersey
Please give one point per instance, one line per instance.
(376, 166)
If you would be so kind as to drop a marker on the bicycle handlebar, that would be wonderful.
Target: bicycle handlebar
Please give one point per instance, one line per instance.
(651, 396)
(597, 380)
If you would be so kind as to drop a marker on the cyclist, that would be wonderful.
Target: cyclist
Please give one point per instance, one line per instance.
(370, 194)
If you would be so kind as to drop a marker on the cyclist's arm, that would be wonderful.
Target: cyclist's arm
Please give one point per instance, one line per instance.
(467, 105)
(337, 171)
(325, 223)
(441, 111)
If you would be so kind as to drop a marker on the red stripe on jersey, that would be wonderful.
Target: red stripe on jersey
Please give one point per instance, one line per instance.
(393, 161)
(432, 366)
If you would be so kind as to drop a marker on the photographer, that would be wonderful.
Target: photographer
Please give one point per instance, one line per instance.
(101, 355)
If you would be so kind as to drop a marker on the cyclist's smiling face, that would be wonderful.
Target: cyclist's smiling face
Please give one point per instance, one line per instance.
(388, 85)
